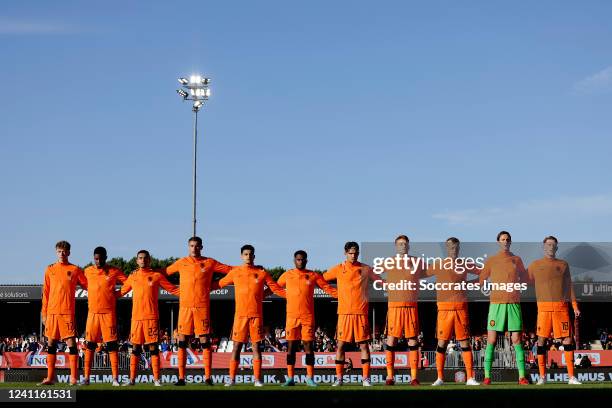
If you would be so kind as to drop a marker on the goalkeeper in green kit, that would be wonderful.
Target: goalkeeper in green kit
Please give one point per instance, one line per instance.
(505, 271)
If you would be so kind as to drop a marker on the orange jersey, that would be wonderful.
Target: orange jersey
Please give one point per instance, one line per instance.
(352, 282)
(101, 284)
(413, 273)
(553, 284)
(249, 289)
(506, 268)
(300, 286)
(445, 273)
(196, 277)
(145, 284)
(59, 288)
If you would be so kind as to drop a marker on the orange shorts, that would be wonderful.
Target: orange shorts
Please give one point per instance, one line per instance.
(59, 326)
(558, 323)
(245, 327)
(300, 328)
(194, 320)
(453, 322)
(402, 320)
(101, 326)
(353, 328)
(144, 331)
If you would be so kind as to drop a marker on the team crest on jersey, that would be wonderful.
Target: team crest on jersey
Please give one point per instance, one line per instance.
(558, 269)
(150, 279)
(69, 273)
(492, 323)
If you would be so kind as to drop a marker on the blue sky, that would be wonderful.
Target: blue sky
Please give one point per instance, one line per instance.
(328, 122)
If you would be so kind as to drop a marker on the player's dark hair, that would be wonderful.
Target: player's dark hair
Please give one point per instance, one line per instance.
(247, 246)
(195, 239)
(504, 233)
(143, 251)
(404, 237)
(550, 237)
(453, 240)
(100, 251)
(63, 245)
(300, 252)
(350, 245)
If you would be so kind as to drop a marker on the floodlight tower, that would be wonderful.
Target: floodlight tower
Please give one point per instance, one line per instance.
(195, 89)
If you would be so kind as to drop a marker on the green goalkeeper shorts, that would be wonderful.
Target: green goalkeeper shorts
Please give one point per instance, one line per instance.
(505, 317)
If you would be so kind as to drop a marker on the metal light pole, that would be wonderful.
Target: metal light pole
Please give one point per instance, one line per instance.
(195, 89)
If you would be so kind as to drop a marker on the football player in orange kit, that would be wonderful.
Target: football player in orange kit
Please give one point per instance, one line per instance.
(352, 278)
(554, 291)
(452, 310)
(196, 274)
(300, 284)
(145, 283)
(504, 268)
(58, 295)
(402, 312)
(248, 281)
(102, 315)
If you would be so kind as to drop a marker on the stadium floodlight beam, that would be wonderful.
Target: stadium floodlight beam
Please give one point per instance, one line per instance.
(195, 89)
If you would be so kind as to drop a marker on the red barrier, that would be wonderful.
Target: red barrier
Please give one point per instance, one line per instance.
(220, 360)
(599, 358)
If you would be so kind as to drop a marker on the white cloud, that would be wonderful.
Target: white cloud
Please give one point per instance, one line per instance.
(598, 82)
(555, 209)
(20, 27)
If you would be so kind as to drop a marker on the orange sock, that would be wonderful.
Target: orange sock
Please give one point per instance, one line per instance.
(569, 361)
(440, 360)
(232, 369)
(257, 369)
(51, 358)
(155, 366)
(207, 354)
(413, 356)
(542, 365)
(468, 360)
(182, 362)
(290, 370)
(365, 368)
(88, 357)
(390, 357)
(339, 370)
(310, 371)
(74, 367)
(133, 366)
(114, 359)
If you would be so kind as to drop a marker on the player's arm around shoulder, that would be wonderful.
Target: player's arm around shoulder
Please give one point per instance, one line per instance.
(323, 284)
(332, 273)
(165, 283)
(274, 287)
(226, 280)
(374, 277)
(119, 276)
(126, 287)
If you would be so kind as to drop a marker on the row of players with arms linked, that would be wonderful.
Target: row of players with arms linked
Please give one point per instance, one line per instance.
(252, 283)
